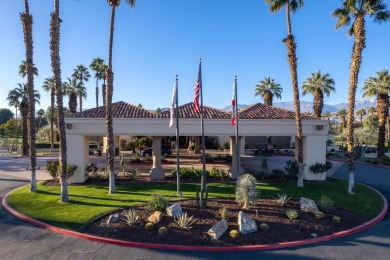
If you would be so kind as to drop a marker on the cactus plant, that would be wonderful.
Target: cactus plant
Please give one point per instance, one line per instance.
(162, 231)
(336, 220)
(149, 226)
(264, 227)
(234, 234)
(292, 214)
(202, 196)
(246, 192)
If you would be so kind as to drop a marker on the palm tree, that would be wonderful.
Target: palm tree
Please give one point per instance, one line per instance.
(379, 86)
(55, 24)
(292, 6)
(341, 114)
(104, 68)
(23, 66)
(361, 113)
(13, 100)
(81, 73)
(317, 85)
(326, 115)
(267, 89)
(97, 67)
(49, 86)
(110, 87)
(40, 113)
(355, 11)
(70, 89)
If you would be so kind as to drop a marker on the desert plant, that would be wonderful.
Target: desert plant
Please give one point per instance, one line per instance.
(162, 231)
(225, 214)
(131, 174)
(157, 202)
(234, 233)
(292, 214)
(130, 217)
(283, 199)
(336, 220)
(325, 204)
(147, 158)
(264, 227)
(149, 226)
(292, 168)
(319, 215)
(185, 222)
(278, 173)
(123, 162)
(134, 158)
(246, 192)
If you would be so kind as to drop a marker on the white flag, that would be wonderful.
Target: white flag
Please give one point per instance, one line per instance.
(173, 103)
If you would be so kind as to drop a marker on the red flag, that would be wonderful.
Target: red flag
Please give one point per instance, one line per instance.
(198, 86)
(234, 104)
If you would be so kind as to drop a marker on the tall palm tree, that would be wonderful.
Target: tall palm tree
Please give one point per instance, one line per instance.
(55, 24)
(49, 86)
(104, 91)
(292, 6)
(81, 73)
(110, 87)
(371, 111)
(361, 113)
(317, 85)
(70, 88)
(40, 113)
(379, 86)
(97, 67)
(267, 89)
(326, 115)
(342, 114)
(355, 11)
(13, 100)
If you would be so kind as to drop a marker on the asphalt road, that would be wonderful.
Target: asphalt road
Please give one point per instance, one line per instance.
(19, 240)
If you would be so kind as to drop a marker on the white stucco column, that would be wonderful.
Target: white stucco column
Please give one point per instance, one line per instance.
(241, 145)
(235, 161)
(197, 145)
(157, 172)
(314, 150)
(78, 154)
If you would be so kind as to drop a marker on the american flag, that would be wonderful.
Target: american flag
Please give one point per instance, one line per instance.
(198, 86)
(234, 103)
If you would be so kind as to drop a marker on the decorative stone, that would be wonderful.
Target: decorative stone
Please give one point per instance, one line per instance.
(308, 205)
(313, 234)
(218, 229)
(113, 218)
(246, 224)
(174, 210)
(156, 217)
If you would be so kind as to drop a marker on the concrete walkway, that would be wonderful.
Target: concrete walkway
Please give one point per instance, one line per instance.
(19, 240)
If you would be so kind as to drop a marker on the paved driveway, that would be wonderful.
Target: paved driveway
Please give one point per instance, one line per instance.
(19, 240)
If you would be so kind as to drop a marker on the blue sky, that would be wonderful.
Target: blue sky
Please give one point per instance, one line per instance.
(159, 39)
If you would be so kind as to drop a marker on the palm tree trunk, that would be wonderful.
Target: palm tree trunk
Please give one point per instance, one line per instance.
(388, 133)
(16, 127)
(55, 63)
(382, 107)
(24, 112)
(288, 17)
(97, 92)
(109, 93)
(104, 91)
(27, 21)
(318, 103)
(356, 62)
(81, 98)
(52, 95)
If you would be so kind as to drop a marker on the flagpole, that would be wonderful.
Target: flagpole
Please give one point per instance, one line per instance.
(177, 137)
(237, 143)
(202, 126)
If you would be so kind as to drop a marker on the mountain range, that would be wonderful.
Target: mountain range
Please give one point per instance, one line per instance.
(308, 106)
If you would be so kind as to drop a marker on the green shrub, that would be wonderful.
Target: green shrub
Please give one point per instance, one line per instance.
(157, 202)
(131, 174)
(52, 167)
(189, 173)
(226, 145)
(278, 173)
(134, 158)
(246, 192)
(217, 173)
(325, 204)
(292, 214)
(147, 158)
(208, 158)
(292, 168)
(386, 160)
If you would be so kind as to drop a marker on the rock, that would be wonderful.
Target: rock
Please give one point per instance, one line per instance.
(246, 224)
(156, 217)
(113, 218)
(174, 210)
(313, 234)
(308, 205)
(218, 229)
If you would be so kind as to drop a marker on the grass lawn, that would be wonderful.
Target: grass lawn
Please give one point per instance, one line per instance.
(89, 202)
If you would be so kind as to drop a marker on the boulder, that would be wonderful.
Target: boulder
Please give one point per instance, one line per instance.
(218, 229)
(246, 224)
(113, 218)
(308, 205)
(174, 210)
(155, 218)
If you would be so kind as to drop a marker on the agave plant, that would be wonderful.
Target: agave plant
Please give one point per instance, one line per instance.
(185, 222)
(283, 199)
(130, 217)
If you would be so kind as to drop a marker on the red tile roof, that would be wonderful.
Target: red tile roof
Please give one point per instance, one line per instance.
(261, 111)
(188, 111)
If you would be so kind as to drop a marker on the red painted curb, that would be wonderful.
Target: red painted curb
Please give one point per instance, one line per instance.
(71, 233)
